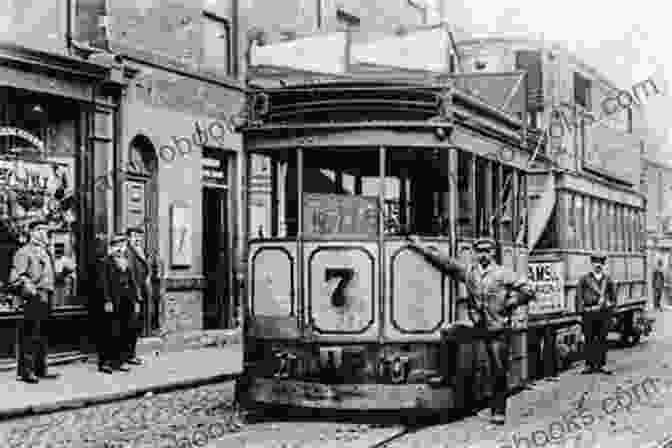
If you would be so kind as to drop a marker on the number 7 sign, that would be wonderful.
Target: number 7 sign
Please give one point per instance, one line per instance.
(345, 275)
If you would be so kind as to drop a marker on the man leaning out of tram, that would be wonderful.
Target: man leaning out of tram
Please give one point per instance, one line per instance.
(491, 306)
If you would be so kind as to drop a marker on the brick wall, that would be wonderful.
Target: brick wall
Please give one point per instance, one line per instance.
(37, 24)
(166, 32)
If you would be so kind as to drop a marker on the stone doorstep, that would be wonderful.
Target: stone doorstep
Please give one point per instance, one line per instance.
(188, 340)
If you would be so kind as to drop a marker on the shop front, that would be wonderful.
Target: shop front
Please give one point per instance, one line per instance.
(50, 107)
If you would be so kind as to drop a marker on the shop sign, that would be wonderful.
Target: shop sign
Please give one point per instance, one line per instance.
(30, 175)
(8, 131)
(548, 281)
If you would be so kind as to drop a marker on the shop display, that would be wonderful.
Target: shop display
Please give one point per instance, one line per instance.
(38, 190)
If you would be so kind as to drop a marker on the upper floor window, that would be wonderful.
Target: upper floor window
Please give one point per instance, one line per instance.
(217, 43)
(582, 90)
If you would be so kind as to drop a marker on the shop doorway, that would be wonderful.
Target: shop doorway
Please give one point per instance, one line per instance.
(141, 197)
(218, 303)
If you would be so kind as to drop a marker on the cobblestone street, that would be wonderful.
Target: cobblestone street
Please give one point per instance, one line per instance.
(630, 408)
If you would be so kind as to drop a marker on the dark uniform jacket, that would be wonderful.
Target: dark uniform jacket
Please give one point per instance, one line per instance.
(591, 294)
(141, 270)
(118, 286)
(489, 288)
(658, 279)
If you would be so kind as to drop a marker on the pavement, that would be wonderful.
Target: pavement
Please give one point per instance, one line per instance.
(80, 384)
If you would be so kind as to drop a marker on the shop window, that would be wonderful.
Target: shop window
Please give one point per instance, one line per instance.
(217, 43)
(37, 182)
(465, 195)
(417, 193)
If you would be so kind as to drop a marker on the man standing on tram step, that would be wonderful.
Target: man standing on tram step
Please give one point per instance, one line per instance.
(658, 284)
(119, 293)
(490, 306)
(33, 274)
(141, 270)
(595, 299)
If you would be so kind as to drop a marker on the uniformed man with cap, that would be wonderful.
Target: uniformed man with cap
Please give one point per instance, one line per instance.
(490, 305)
(32, 274)
(119, 293)
(595, 299)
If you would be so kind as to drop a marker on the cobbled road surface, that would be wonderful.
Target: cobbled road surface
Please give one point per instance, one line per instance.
(205, 416)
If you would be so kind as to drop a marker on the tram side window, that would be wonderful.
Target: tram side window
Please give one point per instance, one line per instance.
(508, 203)
(580, 233)
(571, 221)
(465, 195)
(417, 192)
(521, 209)
(597, 225)
(484, 197)
(272, 195)
(588, 224)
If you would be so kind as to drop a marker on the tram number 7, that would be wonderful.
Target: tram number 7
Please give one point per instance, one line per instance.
(345, 275)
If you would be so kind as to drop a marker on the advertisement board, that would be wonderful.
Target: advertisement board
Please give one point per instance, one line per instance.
(548, 278)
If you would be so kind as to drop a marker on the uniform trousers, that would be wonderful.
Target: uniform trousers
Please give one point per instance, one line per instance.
(497, 347)
(595, 330)
(109, 339)
(131, 325)
(32, 341)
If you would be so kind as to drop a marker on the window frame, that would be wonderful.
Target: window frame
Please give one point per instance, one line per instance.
(216, 18)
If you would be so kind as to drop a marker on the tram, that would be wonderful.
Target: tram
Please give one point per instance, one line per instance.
(340, 312)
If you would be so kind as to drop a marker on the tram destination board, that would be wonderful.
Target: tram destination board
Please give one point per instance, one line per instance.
(345, 215)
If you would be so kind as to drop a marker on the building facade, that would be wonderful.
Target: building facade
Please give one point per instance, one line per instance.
(658, 190)
(118, 115)
(178, 159)
(49, 148)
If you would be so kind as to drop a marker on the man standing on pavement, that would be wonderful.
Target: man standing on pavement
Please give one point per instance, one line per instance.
(141, 270)
(595, 299)
(119, 293)
(490, 306)
(33, 275)
(658, 283)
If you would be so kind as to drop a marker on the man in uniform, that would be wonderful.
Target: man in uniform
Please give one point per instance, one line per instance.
(33, 275)
(141, 270)
(658, 284)
(119, 294)
(595, 298)
(490, 306)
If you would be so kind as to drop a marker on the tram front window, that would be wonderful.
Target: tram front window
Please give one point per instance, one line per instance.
(341, 192)
(417, 192)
